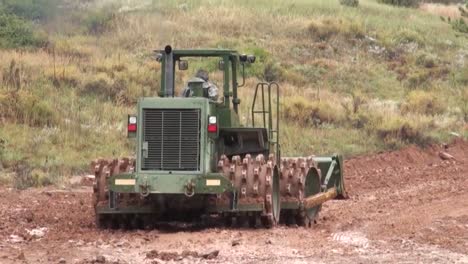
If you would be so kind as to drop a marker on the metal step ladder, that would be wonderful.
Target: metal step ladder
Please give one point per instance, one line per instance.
(267, 101)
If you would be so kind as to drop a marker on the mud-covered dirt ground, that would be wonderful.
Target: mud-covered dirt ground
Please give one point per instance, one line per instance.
(408, 206)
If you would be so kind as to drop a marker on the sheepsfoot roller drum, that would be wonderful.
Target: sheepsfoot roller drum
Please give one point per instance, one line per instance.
(103, 197)
(256, 196)
(195, 162)
(304, 183)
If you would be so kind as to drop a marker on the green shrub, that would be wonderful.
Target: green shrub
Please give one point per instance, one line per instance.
(395, 130)
(459, 24)
(98, 22)
(323, 30)
(422, 102)
(263, 58)
(418, 78)
(406, 3)
(294, 77)
(2, 151)
(407, 35)
(445, 2)
(31, 9)
(355, 115)
(464, 105)
(427, 60)
(273, 72)
(16, 32)
(100, 85)
(301, 110)
(40, 178)
(25, 176)
(461, 77)
(326, 28)
(351, 3)
(22, 177)
(25, 108)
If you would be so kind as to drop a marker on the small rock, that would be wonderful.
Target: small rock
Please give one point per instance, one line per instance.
(37, 232)
(269, 242)
(86, 180)
(62, 261)
(100, 259)
(445, 156)
(211, 255)
(15, 239)
(235, 243)
(21, 256)
(121, 244)
(29, 216)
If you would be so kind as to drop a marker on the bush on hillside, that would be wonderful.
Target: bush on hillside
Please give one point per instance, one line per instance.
(273, 72)
(406, 36)
(16, 32)
(263, 58)
(394, 130)
(98, 22)
(38, 10)
(459, 24)
(418, 78)
(301, 110)
(351, 3)
(25, 108)
(445, 2)
(405, 3)
(464, 105)
(461, 77)
(422, 102)
(324, 29)
(427, 60)
(2, 151)
(355, 115)
(25, 176)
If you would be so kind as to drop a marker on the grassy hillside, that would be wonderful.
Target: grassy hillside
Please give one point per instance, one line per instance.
(354, 80)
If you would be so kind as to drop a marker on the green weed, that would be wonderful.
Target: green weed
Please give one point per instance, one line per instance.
(422, 102)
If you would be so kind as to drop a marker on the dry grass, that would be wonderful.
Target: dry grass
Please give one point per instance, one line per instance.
(336, 93)
(451, 11)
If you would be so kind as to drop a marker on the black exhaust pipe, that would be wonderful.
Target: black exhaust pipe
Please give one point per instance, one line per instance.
(169, 72)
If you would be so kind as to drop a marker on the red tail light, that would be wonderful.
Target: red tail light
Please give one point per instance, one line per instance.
(132, 124)
(132, 127)
(212, 124)
(212, 128)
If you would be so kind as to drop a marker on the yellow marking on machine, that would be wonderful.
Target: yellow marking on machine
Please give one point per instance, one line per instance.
(213, 182)
(125, 181)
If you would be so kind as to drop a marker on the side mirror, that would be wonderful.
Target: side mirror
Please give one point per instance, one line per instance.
(221, 65)
(246, 58)
(183, 65)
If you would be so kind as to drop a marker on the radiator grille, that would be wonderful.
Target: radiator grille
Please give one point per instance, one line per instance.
(173, 138)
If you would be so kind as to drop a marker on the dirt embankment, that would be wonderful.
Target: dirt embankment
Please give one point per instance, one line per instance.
(406, 206)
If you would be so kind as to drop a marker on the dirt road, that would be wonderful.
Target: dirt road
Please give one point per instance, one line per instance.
(408, 206)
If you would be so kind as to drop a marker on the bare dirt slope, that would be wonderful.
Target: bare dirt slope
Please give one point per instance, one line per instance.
(406, 206)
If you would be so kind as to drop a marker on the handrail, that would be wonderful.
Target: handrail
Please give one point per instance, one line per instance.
(269, 125)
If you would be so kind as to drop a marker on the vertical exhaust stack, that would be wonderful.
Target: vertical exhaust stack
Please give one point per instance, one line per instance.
(169, 72)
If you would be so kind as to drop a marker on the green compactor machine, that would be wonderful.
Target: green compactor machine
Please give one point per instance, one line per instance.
(195, 160)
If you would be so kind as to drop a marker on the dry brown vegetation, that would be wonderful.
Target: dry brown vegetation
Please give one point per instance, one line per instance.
(353, 80)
